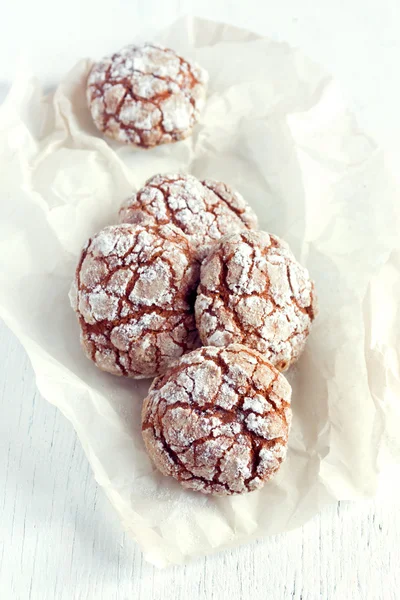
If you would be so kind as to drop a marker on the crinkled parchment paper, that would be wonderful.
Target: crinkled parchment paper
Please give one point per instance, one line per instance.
(277, 128)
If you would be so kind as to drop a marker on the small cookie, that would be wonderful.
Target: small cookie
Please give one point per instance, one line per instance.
(205, 211)
(253, 291)
(218, 420)
(146, 95)
(133, 293)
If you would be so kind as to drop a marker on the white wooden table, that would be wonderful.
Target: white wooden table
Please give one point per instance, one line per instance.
(59, 537)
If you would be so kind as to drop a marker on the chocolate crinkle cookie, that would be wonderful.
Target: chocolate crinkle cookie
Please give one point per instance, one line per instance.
(203, 210)
(133, 295)
(253, 291)
(146, 95)
(218, 420)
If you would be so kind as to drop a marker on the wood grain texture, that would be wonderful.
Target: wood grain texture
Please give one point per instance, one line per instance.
(60, 538)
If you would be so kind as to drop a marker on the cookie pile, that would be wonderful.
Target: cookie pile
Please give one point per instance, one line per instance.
(186, 266)
(187, 290)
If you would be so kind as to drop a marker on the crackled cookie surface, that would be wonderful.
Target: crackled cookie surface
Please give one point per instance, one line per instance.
(204, 210)
(132, 294)
(253, 291)
(218, 420)
(146, 95)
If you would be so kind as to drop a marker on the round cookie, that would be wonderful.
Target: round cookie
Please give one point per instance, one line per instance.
(253, 291)
(204, 211)
(218, 420)
(133, 293)
(146, 95)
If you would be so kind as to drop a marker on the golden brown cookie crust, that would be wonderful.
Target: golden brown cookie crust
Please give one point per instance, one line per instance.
(203, 210)
(146, 95)
(133, 295)
(218, 420)
(253, 291)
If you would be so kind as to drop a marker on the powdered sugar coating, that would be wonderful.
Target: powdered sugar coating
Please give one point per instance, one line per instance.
(146, 95)
(204, 210)
(132, 294)
(218, 420)
(253, 291)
